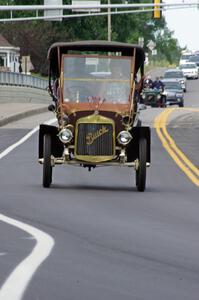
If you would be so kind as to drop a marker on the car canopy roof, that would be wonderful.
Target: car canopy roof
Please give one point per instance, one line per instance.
(57, 49)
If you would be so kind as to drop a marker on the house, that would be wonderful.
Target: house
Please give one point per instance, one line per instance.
(9, 56)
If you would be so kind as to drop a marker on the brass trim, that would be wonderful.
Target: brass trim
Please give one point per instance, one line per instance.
(60, 161)
(95, 119)
(94, 159)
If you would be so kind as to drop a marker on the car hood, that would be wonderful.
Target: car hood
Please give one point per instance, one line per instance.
(181, 79)
(171, 91)
(190, 70)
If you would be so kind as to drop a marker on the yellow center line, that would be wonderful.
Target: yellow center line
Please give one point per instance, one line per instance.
(168, 143)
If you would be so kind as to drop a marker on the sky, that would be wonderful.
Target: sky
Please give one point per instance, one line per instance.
(184, 23)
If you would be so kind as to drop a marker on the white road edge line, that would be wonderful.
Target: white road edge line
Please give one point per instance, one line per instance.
(23, 139)
(15, 285)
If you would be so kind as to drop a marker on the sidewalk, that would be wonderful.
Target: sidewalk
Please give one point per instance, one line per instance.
(10, 112)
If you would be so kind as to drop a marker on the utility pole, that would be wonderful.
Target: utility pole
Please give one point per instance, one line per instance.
(109, 21)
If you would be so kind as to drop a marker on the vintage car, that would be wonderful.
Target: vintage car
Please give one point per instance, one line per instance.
(153, 97)
(95, 91)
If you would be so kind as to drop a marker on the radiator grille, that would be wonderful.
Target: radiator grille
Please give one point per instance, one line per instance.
(95, 139)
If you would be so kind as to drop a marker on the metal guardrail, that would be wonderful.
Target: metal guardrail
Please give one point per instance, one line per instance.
(18, 79)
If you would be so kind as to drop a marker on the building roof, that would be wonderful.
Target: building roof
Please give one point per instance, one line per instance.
(4, 42)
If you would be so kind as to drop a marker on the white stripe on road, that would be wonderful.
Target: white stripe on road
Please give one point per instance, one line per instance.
(23, 139)
(15, 285)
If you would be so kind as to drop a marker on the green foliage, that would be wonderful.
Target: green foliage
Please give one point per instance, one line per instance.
(34, 38)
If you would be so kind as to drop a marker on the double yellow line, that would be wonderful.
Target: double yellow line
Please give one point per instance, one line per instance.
(168, 143)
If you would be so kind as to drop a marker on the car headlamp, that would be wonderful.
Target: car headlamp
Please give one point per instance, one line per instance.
(181, 81)
(158, 96)
(65, 135)
(179, 95)
(124, 137)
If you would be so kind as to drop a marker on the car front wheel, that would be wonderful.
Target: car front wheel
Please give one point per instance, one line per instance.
(47, 168)
(141, 171)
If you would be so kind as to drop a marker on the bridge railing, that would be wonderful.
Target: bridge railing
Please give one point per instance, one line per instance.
(18, 79)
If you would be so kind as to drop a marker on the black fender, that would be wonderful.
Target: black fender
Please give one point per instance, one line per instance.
(56, 145)
(132, 148)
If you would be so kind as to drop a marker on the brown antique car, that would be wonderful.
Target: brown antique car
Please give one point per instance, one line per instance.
(95, 89)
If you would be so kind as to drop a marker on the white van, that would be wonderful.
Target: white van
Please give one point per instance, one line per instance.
(185, 58)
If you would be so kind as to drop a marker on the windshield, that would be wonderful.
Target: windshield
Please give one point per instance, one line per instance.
(194, 58)
(172, 86)
(173, 74)
(96, 79)
(185, 56)
(188, 66)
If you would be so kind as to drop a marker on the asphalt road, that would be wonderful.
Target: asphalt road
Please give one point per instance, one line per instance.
(109, 241)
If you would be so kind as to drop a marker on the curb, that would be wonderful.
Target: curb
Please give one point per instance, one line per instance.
(23, 115)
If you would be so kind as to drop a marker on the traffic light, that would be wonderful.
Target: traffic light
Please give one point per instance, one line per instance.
(157, 13)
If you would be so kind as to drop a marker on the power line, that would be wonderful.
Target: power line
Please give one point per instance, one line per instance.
(145, 7)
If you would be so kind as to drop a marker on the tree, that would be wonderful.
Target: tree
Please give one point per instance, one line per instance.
(35, 37)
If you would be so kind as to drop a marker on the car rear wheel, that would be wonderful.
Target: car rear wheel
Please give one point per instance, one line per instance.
(141, 171)
(47, 168)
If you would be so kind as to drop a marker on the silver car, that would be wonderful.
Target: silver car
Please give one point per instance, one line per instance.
(178, 75)
(173, 92)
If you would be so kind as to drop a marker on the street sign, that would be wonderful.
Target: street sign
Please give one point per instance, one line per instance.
(151, 45)
(86, 2)
(55, 12)
(154, 52)
(141, 41)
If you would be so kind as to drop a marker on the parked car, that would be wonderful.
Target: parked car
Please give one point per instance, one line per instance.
(178, 75)
(95, 91)
(173, 92)
(190, 70)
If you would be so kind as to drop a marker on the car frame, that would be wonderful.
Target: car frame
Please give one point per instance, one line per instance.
(190, 70)
(153, 97)
(181, 79)
(194, 59)
(173, 96)
(92, 131)
(185, 57)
